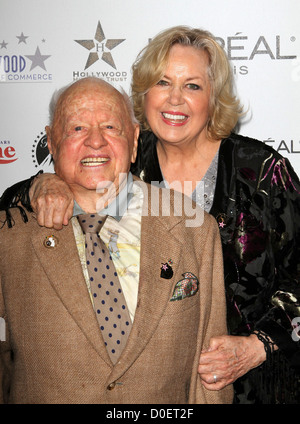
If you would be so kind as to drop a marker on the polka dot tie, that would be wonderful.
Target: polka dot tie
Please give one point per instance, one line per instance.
(109, 302)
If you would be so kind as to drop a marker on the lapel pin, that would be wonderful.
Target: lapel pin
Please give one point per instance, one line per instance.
(50, 242)
(166, 270)
(221, 220)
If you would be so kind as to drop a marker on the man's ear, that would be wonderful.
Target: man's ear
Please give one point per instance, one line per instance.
(135, 142)
(49, 139)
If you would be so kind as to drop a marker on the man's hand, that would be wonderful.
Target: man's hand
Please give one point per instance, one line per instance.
(52, 201)
(228, 358)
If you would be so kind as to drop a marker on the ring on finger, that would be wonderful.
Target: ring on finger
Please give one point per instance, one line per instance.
(215, 378)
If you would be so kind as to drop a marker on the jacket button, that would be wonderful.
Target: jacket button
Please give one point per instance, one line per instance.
(111, 386)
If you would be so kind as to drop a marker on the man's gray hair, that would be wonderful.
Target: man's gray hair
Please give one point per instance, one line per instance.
(58, 93)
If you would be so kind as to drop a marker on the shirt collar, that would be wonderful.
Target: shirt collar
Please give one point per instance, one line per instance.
(118, 206)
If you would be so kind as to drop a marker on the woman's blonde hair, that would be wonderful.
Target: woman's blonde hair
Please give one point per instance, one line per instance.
(149, 67)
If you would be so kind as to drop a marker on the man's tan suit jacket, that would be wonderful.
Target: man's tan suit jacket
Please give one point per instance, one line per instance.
(53, 350)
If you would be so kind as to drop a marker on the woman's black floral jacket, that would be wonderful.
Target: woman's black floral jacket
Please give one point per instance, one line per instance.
(257, 207)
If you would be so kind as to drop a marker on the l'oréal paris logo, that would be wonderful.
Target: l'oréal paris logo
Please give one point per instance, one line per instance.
(241, 48)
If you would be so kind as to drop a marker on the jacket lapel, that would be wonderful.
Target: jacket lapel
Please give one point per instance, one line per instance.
(62, 266)
(154, 291)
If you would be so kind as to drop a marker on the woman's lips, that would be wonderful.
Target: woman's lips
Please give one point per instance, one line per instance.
(174, 118)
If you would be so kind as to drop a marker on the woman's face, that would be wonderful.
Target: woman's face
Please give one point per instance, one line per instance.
(176, 108)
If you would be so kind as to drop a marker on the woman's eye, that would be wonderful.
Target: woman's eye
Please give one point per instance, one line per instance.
(162, 83)
(194, 86)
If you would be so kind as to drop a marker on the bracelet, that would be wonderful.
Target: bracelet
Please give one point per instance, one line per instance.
(265, 339)
(23, 193)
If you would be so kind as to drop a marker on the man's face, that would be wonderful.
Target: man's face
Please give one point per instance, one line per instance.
(92, 139)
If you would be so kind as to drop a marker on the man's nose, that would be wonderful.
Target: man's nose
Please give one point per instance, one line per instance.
(96, 138)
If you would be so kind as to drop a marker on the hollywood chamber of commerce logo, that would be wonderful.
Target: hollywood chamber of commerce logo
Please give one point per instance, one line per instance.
(101, 47)
(22, 60)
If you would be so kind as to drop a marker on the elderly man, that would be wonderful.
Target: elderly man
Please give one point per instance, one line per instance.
(67, 340)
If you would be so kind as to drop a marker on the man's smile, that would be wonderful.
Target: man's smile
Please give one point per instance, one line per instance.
(92, 161)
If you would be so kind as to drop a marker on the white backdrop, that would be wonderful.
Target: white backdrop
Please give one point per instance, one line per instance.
(45, 44)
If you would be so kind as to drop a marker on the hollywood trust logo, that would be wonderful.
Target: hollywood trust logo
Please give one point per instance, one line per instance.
(17, 66)
(100, 47)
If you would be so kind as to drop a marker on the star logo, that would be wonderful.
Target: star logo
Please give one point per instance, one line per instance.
(3, 45)
(38, 59)
(98, 44)
(22, 38)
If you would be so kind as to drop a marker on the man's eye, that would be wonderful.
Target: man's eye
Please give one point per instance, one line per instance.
(78, 128)
(112, 129)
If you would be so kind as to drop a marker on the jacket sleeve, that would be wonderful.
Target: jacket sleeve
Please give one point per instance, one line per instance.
(212, 269)
(282, 321)
(5, 355)
(17, 196)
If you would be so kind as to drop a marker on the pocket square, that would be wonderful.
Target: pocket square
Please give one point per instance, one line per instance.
(186, 287)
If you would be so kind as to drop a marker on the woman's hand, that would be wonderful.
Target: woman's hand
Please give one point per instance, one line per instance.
(228, 358)
(52, 200)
